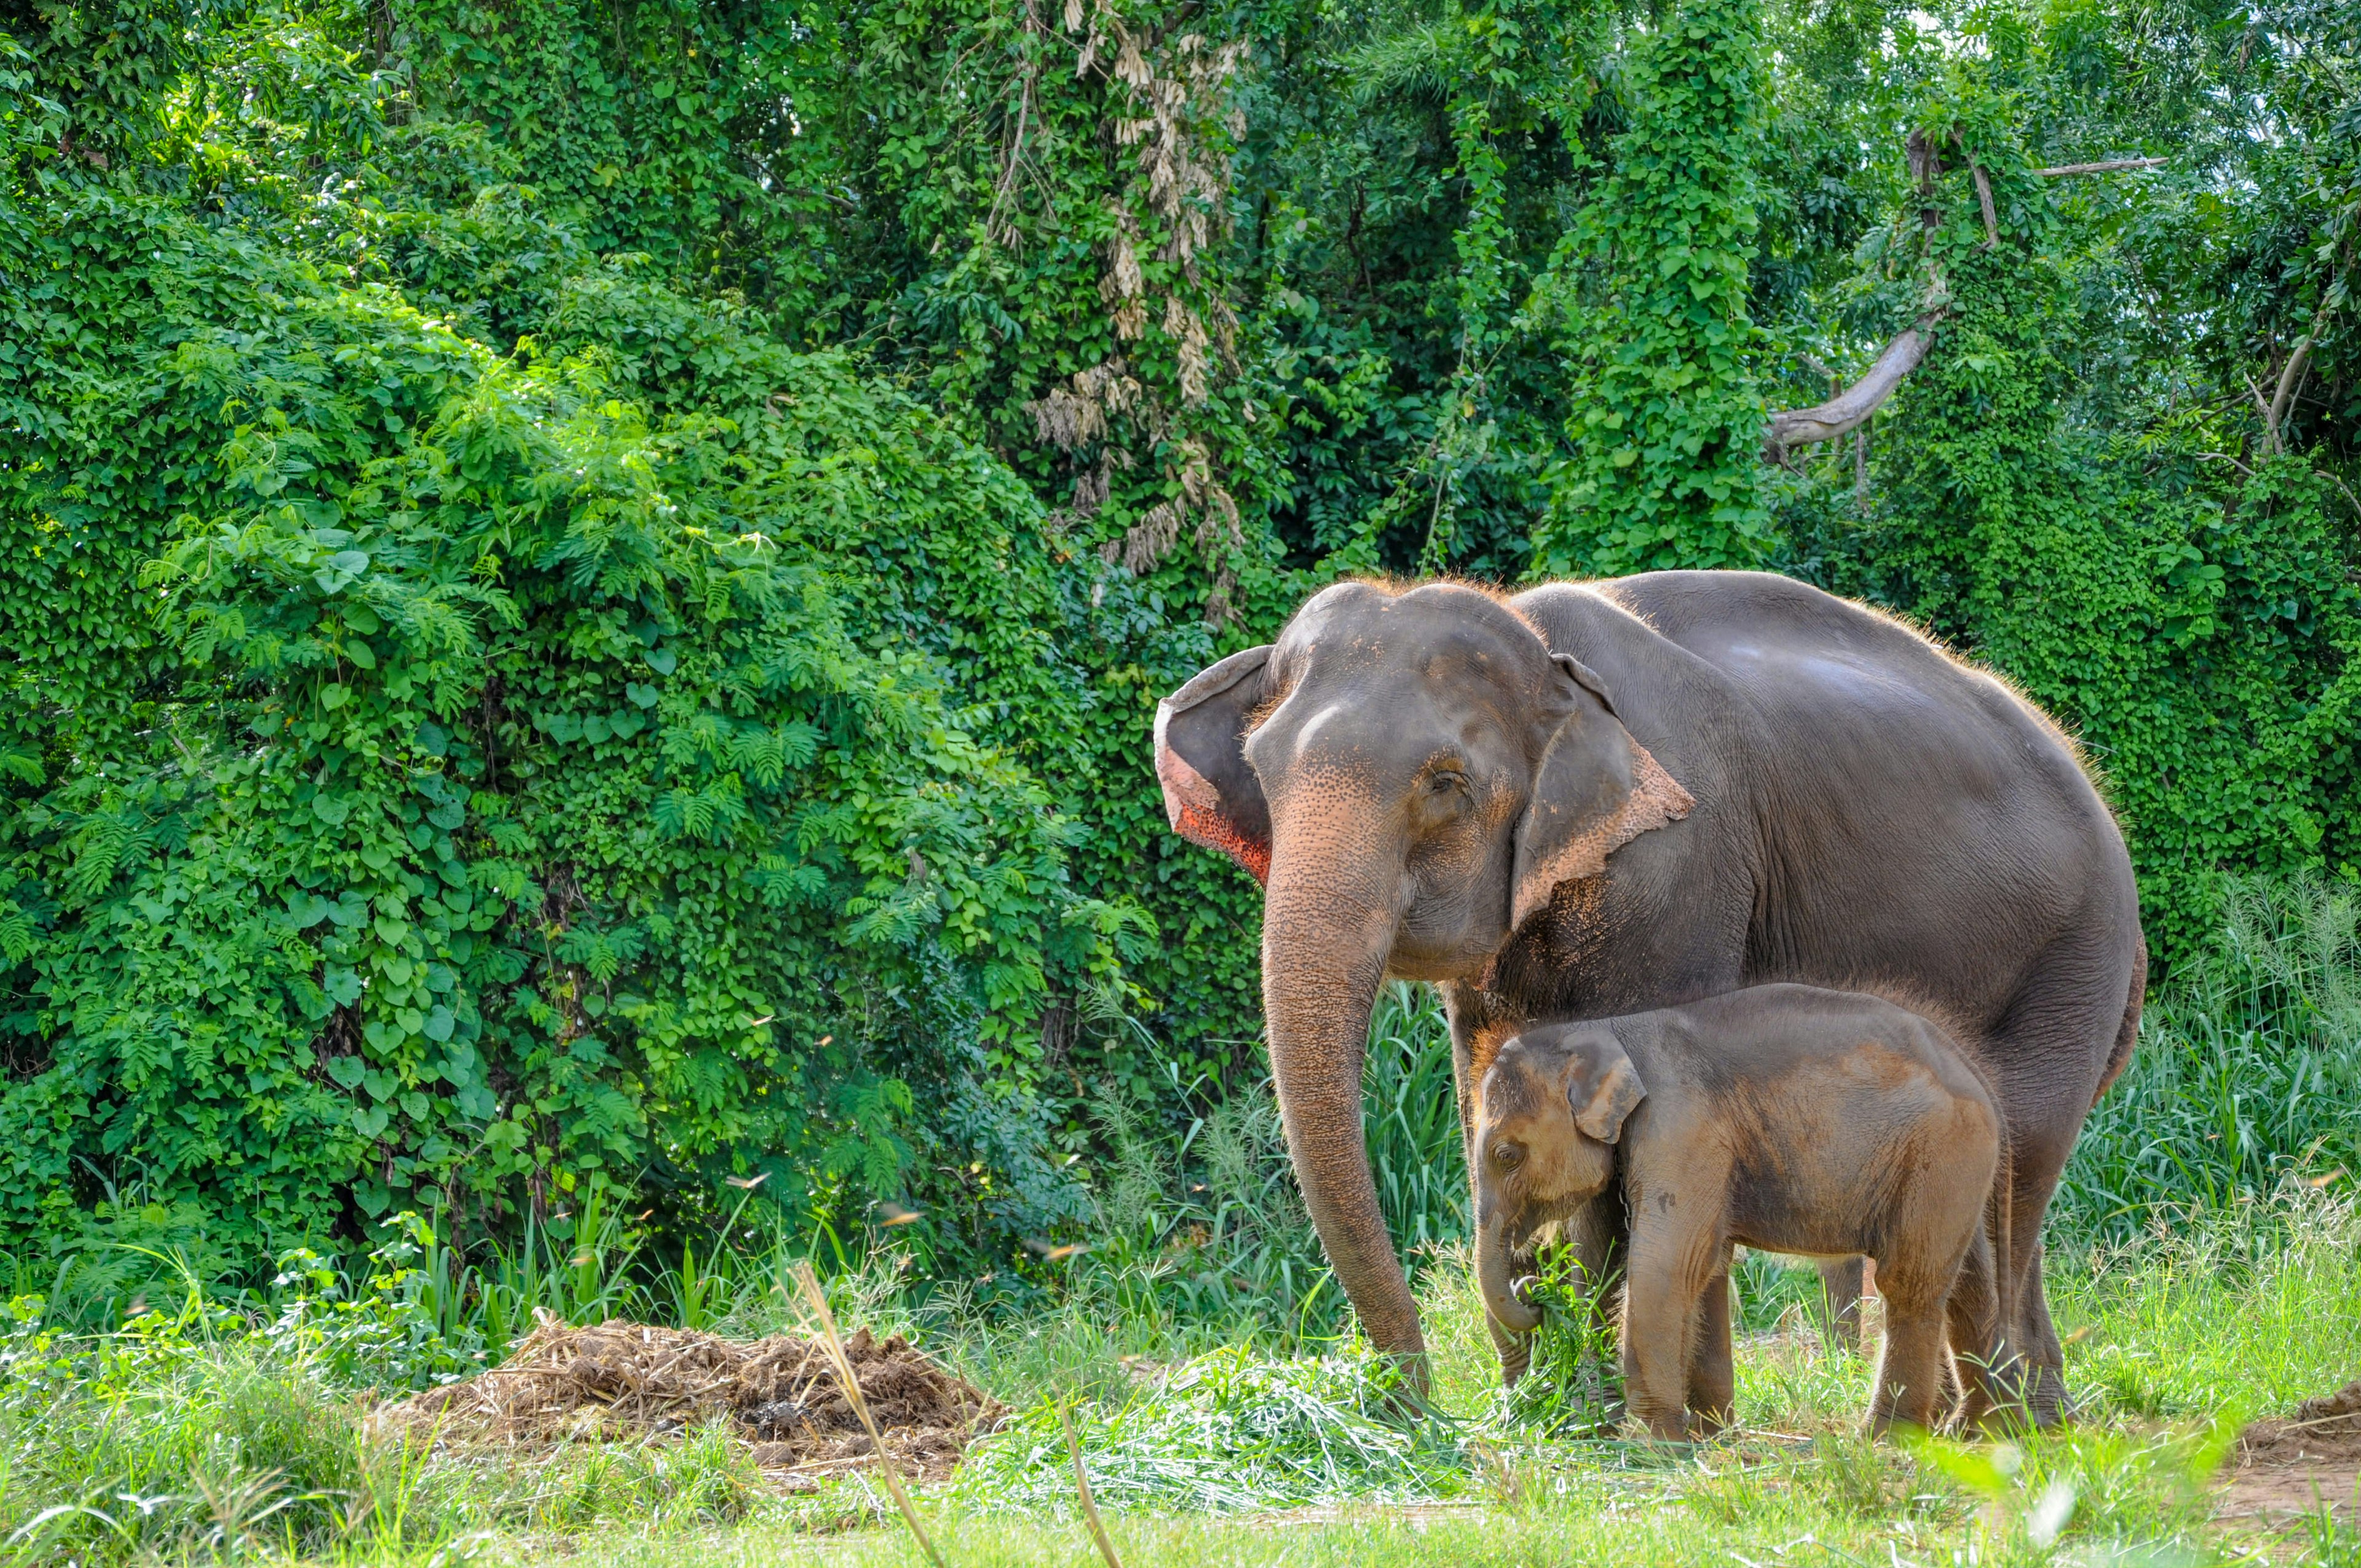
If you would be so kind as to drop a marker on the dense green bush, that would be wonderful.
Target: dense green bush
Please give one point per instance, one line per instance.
(502, 780)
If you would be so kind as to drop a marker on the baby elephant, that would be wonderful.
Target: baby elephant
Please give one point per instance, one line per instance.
(1784, 1118)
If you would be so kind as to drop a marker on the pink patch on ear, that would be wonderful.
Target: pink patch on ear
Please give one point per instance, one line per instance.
(1192, 807)
(1656, 798)
(1215, 832)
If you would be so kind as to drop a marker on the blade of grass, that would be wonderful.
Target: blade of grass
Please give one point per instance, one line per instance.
(809, 1283)
(1082, 1486)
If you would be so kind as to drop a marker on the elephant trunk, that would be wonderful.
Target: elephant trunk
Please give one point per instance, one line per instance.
(1327, 929)
(1492, 1265)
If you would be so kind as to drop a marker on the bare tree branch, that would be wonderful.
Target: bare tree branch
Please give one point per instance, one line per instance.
(1983, 190)
(1983, 200)
(2113, 166)
(1850, 409)
(2275, 416)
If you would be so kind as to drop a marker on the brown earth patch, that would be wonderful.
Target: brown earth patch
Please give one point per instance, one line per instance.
(2283, 1468)
(628, 1382)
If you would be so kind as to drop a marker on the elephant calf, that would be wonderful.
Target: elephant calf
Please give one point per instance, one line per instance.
(1782, 1117)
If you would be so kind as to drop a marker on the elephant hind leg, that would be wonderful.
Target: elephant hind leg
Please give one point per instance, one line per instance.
(2050, 1052)
(1980, 1344)
(1842, 1283)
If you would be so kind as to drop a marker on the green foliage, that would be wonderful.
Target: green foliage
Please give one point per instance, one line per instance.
(584, 590)
(1666, 427)
(464, 779)
(1227, 1430)
(2188, 617)
(2244, 1080)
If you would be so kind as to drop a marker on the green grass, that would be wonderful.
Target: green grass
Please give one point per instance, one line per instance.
(2204, 1268)
(200, 1441)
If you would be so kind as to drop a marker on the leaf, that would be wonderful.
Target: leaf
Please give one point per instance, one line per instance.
(333, 697)
(305, 910)
(439, 1024)
(662, 660)
(346, 1070)
(342, 984)
(641, 696)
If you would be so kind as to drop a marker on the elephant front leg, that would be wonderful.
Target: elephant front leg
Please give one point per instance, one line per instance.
(1662, 1307)
(1713, 1375)
(1464, 1008)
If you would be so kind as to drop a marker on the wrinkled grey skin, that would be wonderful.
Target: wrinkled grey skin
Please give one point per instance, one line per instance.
(1784, 1118)
(1783, 787)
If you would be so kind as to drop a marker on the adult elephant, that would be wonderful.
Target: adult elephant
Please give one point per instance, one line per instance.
(1595, 799)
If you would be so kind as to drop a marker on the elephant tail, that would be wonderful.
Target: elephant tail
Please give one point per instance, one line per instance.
(2127, 1032)
(2000, 1203)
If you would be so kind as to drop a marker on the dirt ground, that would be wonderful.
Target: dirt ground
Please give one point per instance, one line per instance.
(2286, 1468)
(629, 1382)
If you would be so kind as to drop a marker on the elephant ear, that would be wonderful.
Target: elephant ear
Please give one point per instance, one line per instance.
(1211, 795)
(1603, 1089)
(1595, 790)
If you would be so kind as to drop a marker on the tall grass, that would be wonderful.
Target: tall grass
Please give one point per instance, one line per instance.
(1202, 1224)
(2248, 1074)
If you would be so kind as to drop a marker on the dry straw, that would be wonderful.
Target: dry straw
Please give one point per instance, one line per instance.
(817, 1299)
(1083, 1485)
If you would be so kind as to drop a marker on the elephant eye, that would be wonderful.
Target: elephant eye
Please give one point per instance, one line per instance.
(1446, 783)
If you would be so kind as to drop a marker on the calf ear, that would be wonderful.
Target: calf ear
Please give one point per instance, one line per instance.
(1597, 789)
(1211, 795)
(1603, 1089)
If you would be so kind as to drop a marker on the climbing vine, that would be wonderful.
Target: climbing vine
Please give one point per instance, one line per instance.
(1651, 284)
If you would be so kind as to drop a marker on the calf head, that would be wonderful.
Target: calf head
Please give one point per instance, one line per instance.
(1553, 1104)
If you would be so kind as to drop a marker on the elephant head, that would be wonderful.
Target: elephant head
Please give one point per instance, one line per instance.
(1553, 1103)
(1411, 773)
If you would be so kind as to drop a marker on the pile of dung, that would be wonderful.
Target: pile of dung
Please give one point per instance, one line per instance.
(2325, 1427)
(628, 1382)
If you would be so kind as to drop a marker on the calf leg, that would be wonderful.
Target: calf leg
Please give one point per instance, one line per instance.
(1909, 1366)
(1840, 1293)
(1980, 1341)
(1713, 1379)
(1661, 1309)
